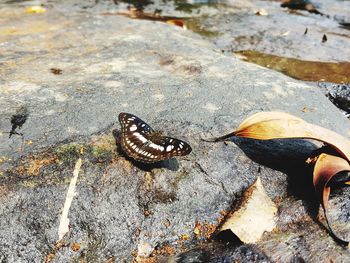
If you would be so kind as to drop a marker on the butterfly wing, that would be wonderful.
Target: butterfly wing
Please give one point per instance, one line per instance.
(171, 147)
(161, 148)
(140, 141)
(131, 124)
(135, 135)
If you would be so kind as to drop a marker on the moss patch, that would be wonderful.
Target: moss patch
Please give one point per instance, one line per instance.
(68, 153)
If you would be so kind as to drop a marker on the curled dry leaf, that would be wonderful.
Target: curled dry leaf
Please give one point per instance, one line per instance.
(280, 125)
(326, 167)
(255, 216)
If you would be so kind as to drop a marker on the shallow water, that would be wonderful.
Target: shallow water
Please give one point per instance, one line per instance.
(336, 72)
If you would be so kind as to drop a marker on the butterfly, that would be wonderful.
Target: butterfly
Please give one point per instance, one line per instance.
(142, 143)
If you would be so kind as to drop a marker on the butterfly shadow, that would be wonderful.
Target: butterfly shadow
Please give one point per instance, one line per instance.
(170, 164)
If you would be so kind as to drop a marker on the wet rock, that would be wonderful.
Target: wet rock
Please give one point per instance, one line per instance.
(301, 5)
(282, 32)
(178, 83)
(339, 94)
(316, 71)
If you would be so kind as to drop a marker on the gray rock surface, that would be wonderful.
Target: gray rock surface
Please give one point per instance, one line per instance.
(178, 83)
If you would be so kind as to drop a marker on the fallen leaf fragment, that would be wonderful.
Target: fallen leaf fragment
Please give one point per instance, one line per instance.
(198, 228)
(177, 22)
(261, 12)
(255, 216)
(35, 10)
(144, 250)
(56, 71)
(75, 247)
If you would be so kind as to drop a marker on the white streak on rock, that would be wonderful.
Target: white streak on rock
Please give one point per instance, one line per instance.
(64, 221)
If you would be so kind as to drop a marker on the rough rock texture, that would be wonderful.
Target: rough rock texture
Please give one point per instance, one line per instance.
(282, 32)
(338, 94)
(178, 83)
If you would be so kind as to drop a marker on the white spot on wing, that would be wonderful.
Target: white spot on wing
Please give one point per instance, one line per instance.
(169, 148)
(133, 127)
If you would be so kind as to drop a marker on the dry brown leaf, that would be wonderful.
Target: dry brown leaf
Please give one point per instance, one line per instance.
(177, 22)
(326, 167)
(75, 247)
(280, 125)
(255, 215)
